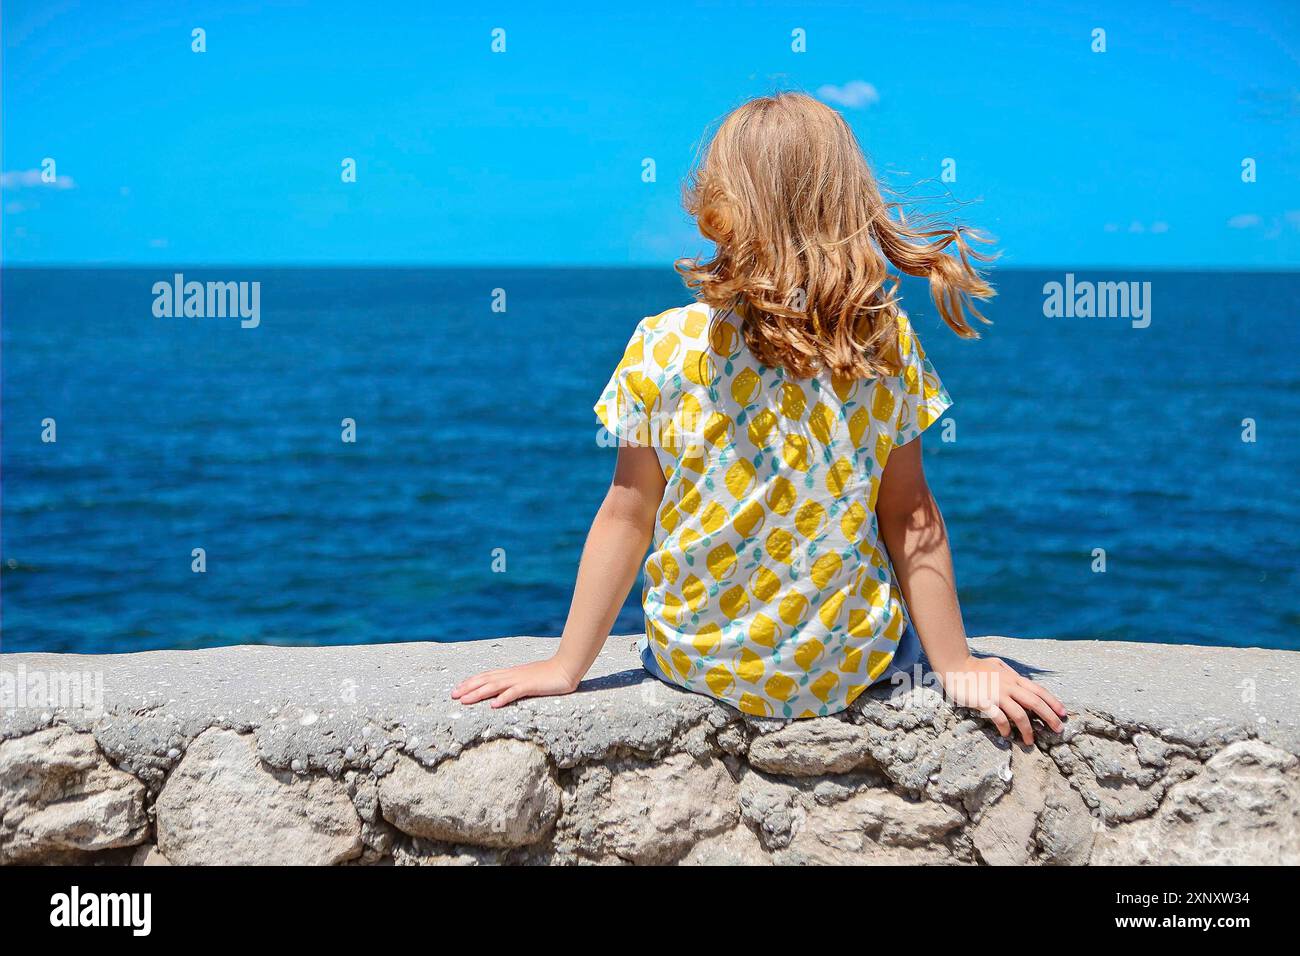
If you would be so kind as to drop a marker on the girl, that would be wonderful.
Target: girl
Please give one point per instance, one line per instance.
(770, 454)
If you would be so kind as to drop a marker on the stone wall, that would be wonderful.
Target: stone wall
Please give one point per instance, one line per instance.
(357, 755)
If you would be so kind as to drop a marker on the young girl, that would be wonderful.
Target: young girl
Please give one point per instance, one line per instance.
(770, 454)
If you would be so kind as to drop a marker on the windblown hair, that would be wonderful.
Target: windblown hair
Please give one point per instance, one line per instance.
(805, 240)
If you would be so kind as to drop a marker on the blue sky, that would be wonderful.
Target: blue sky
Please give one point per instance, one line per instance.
(1072, 158)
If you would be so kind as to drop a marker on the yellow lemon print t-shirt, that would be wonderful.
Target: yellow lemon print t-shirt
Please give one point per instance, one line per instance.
(766, 586)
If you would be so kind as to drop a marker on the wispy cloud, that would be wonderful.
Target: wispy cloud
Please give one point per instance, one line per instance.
(853, 95)
(1272, 227)
(1273, 105)
(31, 179)
(1157, 227)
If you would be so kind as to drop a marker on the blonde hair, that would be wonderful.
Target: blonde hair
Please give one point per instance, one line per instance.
(805, 241)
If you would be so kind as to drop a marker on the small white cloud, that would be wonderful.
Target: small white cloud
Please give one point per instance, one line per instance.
(157, 243)
(1245, 220)
(31, 179)
(853, 95)
(1138, 228)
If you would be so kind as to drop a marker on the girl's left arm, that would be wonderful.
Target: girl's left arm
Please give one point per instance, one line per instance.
(616, 545)
(917, 541)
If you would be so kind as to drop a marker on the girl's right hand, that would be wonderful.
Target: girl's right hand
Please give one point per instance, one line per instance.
(541, 679)
(991, 686)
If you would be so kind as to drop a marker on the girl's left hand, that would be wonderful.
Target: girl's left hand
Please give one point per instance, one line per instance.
(994, 688)
(541, 679)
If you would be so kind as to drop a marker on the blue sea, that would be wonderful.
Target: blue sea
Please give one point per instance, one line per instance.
(476, 446)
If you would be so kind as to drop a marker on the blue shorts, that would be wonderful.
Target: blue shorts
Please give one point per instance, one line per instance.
(905, 658)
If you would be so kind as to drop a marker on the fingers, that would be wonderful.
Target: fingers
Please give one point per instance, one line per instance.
(999, 719)
(500, 686)
(1016, 701)
(1041, 691)
(1026, 697)
(511, 693)
(1048, 696)
(483, 692)
(1018, 717)
(471, 683)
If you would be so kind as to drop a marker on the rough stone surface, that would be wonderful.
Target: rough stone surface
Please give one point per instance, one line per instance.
(1038, 817)
(358, 755)
(149, 856)
(975, 767)
(874, 826)
(59, 797)
(853, 819)
(223, 805)
(1244, 808)
(500, 794)
(811, 748)
(651, 812)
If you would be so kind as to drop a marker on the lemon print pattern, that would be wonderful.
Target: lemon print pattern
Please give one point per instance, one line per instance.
(766, 586)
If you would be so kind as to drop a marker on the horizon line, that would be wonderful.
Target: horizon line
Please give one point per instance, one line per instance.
(594, 267)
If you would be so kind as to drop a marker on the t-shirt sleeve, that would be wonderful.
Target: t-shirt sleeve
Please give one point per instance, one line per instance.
(922, 397)
(621, 408)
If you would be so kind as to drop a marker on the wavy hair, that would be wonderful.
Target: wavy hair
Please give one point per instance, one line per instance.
(805, 240)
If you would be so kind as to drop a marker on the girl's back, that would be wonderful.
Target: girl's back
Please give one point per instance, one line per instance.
(766, 585)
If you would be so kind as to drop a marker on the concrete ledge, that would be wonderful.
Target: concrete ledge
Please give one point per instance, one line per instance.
(358, 755)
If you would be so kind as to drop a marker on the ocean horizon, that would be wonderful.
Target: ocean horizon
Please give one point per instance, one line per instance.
(1114, 477)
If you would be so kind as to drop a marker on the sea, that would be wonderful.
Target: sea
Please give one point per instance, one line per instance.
(409, 454)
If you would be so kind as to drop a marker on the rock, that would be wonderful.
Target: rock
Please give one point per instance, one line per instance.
(1038, 813)
(1004, 834)
(1151, 751)
(655, 813)
(768, 806)
(855, 820)
(894, 820)
(731, 739)
(1113, 761)
(419, 852)
(59, 795)
(499, 794)
(876, 826)
(810, 748)
(735, 847)
(1242, 809)
(223, 805)
(378, 838)
(1109, 774)
(365, 797)
(909, 758)
(148, 855)
(1065, 827)
(975, 769)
